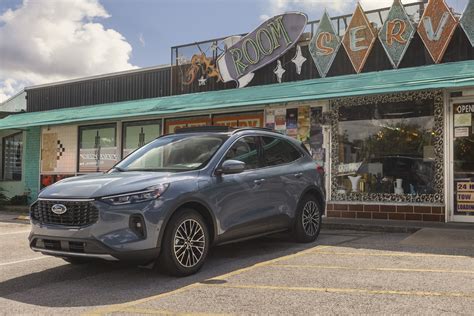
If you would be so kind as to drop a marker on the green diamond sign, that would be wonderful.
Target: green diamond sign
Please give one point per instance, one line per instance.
(396, 33)
(324, 45)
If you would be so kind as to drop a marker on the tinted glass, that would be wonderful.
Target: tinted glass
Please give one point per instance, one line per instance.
(174, 153)
(245, 150)
(277, 151)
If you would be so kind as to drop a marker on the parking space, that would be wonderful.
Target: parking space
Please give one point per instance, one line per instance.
(343, 272)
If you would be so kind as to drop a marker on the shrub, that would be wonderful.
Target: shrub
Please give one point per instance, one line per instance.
(19, 200)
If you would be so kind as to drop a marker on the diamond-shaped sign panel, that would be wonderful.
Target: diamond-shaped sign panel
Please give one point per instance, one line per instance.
(359, 39)
(436, 28)
(324, 45)
(396, 33)
(467, 21)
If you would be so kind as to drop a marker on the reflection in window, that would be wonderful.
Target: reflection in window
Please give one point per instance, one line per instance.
(278, 151)
(386, 148)
(245, 150)
(137, 134)
(97, 148)
(12, 156)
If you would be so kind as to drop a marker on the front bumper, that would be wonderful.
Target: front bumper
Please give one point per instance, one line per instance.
(110, 237)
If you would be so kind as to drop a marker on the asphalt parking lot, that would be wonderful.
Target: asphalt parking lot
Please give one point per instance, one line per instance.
(344, 272)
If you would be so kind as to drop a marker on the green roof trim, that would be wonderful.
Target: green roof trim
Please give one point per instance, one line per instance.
(449, 75)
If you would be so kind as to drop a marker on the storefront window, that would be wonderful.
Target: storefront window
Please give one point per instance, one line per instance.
(171, 125)
(386, 148)
(12, 156)
(97, 148)
(254, 119)
(137, 134)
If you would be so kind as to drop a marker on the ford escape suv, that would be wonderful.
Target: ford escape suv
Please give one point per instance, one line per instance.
(172, 199)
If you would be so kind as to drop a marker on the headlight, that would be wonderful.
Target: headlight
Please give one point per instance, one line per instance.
(148, 194)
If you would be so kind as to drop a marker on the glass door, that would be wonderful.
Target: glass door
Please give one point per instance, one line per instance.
(462, 161)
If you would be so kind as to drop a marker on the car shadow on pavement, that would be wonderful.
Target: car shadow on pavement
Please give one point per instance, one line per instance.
(104, 283)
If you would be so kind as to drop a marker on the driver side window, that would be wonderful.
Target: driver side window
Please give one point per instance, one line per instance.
(245, 150)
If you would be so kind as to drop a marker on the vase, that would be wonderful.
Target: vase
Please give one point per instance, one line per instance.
(355, 182)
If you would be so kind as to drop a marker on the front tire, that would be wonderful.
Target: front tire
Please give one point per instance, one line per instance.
(185, 244)
(308, 219)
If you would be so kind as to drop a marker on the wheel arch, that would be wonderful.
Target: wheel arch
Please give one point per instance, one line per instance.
(320, 196)
(199, 206)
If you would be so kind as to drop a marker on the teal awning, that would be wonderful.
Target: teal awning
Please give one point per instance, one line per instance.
(449, 75)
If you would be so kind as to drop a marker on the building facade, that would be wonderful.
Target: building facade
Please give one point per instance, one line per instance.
(384, 102)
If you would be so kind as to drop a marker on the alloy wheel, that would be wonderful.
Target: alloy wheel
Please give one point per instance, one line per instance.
(311, 218)
(189, 243)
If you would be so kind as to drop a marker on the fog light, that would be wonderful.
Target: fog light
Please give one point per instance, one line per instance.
(137, 225)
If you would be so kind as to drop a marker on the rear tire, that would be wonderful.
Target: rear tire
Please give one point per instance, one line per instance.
(185, 244)
(308, 219)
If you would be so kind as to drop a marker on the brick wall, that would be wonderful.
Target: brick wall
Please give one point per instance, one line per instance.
(383, 211)
(31, 154)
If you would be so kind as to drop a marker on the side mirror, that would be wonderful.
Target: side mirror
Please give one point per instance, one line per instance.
(231, 167)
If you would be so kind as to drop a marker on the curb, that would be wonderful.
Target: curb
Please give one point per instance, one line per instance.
(370, 228)
(23, 217)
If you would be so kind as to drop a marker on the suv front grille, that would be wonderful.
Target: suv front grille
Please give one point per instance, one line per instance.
(78, 213)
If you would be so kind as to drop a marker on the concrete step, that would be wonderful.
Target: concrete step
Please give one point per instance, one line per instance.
(393, 226)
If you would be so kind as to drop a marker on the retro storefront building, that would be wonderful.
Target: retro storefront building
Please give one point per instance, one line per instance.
(383, 99)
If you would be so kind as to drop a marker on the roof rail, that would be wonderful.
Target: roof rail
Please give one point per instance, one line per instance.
(219, 129)
(239, 129)
(196, 129)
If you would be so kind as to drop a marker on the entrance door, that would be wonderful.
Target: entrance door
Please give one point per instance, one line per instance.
(462, 161)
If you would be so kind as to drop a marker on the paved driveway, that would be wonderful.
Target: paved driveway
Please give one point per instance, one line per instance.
(343, 272)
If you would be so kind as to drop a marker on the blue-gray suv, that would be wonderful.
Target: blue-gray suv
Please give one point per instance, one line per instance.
(172, 199)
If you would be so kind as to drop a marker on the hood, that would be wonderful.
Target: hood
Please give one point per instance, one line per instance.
(99, 185)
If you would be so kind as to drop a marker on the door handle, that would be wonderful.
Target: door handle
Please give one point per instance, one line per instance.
(258, 181)
(299, 174)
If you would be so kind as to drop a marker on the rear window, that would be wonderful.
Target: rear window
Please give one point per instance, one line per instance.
(277, 151)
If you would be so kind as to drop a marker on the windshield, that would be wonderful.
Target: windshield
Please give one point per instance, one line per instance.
(173, 153)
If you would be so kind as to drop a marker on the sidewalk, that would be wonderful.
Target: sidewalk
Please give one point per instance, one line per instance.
(391, 226)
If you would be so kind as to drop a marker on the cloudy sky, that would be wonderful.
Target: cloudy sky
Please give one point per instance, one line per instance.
(44, 41)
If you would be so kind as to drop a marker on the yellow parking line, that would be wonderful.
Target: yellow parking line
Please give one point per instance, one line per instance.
(120, 307)
(151, 311)
(312, 266)
(346, 290)
(397, 254)
(123, 306)
(269, 262)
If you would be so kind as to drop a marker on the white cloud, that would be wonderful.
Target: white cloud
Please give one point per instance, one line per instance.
(45, 41)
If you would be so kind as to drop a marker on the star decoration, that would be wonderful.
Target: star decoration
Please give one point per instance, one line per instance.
(202, 81)
(298, 60)
(279, 71)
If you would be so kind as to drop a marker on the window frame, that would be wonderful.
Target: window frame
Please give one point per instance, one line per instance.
(124, 126)
(436, 98)
(79, 139)
(3, 156)
(259, 145)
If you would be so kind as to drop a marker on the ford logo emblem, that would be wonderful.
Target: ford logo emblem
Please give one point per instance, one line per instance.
(58, 209)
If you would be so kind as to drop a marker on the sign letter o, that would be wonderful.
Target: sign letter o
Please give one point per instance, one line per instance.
(245, 50)
(260, 41)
